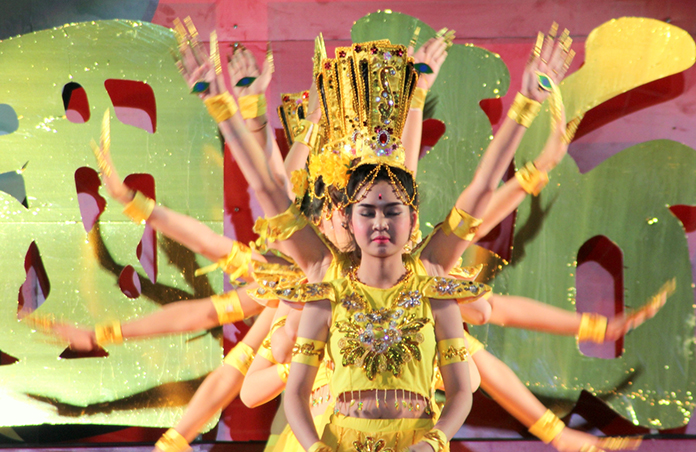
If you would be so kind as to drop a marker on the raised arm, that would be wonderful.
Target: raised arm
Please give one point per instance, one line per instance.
(432, 54)
(448, 243)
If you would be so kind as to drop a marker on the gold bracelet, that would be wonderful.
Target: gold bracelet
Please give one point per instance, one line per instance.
(531, 179)
(221, 107)
(279, 227)
(524, 110)
(283, 372)
(418, 99)
(228, 307)
(108, 333)
(437, 440)
(140, 208)
(172, 441)
(240, 357)
(461, 224)
(235, 264)
(319, 447)
(252, 106)
(593, 328)
(547, 427)
(307, 133)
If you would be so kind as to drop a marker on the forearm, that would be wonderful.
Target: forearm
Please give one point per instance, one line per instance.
(503, 202)
(522, 312)
(264, 383)
(216, 392)
(454, 413)
(411, 138)
(178, 317)
(507, 390)
(296, 401)
(475, 198)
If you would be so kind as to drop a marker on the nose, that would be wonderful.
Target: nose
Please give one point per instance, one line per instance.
(380, 222)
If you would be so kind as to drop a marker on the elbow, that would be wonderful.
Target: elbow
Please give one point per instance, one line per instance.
(249, 395)
(476, 313)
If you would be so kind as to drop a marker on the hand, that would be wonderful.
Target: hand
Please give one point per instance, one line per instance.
(551, 57)
(620, 325)
(113, 183)
(314, 112)
(421, 447)
(195, 65)
(242, 64)
(575, 441)
(79, 339)
(433, 53)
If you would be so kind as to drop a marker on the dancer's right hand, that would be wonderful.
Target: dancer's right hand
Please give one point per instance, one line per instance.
(79, 339)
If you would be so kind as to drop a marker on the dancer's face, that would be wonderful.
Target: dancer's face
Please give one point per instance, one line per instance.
(381, 223)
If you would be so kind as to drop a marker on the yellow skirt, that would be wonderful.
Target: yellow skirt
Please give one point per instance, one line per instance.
(286, 441)
(349, 434)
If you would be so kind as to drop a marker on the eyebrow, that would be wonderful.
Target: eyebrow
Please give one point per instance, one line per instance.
(372, 206)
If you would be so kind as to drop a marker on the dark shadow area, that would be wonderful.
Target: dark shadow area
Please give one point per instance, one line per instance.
(91, 203)
(75, 103)
(134, 103)
(36, 286)
(530, 229)
(9, 122)
(600, 288)
(72, 354)
(6, 359)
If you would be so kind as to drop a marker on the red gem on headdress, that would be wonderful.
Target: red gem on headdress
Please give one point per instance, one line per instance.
(327, 65)
(286, 98)
(399, 52)
(358, 48)
(383, 137)
(373, 50)
(342, 54)
(305, 95)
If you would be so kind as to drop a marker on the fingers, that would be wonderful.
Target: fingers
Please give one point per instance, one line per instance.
(251, 66)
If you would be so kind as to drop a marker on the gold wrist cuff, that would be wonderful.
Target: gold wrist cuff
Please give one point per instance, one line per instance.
(524, 110)
(531, 179)
(280, 227)
(108, 333)
(437, 440)
(319, 447)
(172, 441)
(240, 357)
(235, 264)
(283, 372)
(307, 133)
(221, 107)
(228, 307)
(418, 99)
(452, 351)
(461, 224)
(252, 106)
(308, 351)
(140, 208)
(547, 427)
(593, 328)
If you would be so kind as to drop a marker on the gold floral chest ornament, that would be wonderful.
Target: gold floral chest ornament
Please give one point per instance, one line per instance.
(384, 339)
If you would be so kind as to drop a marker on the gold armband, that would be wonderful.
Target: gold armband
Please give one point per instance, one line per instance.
(319, 447)
(452, 351)
(221, 107)
(240, 357)
(547, 427)
(236, 263)
(524, 110)
(437, 440)
(140, 208)
(308, 351)
(283, 372)
(593, 327)
(474, 344)
(418, 99)
(108, 333)
(531, 179)
(252, 106)
(265, 349)
(172, 441)
(279, 227)
(228, 307)
(461, 224)
(307, 133)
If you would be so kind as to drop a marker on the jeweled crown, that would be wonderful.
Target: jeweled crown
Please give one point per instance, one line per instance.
(365, 94)
(292, 110)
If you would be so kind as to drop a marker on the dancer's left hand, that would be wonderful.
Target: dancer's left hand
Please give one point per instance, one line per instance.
(553, 59)
(433, 53)
(242, 64)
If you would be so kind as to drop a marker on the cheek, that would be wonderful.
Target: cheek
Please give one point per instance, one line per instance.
(359, 228)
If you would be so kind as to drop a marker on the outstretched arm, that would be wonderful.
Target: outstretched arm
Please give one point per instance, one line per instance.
(178, 317)
(220, 387)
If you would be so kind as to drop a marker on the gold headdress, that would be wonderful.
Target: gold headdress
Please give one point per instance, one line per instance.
(365, 93)
(292, 110)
